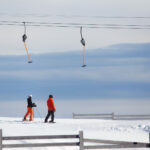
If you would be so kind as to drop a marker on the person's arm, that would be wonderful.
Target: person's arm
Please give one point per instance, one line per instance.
(34, 105)
(53, 105)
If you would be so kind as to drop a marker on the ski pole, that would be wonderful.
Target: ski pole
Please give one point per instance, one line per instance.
(39, 114)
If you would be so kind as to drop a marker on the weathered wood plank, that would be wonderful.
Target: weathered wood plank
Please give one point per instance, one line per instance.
(39, 137)
(130, 115)
(131, 118)
(111, 142)
(39, 145)
(92, 114)
(1, 139)
(116, 146)
(81, 140)
(110, 118)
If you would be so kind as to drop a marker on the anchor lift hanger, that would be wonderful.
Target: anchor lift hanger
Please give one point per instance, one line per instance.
(24, 37)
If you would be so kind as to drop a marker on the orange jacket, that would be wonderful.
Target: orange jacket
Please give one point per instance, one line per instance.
(50, 104)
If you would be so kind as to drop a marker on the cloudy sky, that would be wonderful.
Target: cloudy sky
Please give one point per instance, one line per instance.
(116, 79)
(117, 35)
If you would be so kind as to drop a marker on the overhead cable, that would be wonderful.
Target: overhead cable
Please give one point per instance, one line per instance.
(76, 25)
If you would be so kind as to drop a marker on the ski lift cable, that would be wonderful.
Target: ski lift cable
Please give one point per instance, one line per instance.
(47, 15)
(77, 25)
(89, 27)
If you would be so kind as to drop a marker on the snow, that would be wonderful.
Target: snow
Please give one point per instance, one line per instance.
(133, 131)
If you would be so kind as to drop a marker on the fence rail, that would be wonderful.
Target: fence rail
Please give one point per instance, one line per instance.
(104, 144)
(111, 116)
(92, 116)
(39, 137)
(6, 138)
(39, 145)
(114, 144)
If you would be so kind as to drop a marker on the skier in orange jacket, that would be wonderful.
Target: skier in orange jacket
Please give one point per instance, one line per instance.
(29, 108)
(51, 109)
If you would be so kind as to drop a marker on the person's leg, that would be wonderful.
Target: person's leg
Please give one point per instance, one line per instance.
(52, 117)
(26, 115)
(31, 113)
(48, 114)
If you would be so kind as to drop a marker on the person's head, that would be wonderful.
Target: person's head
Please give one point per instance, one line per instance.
(50, 96)
(30, 96)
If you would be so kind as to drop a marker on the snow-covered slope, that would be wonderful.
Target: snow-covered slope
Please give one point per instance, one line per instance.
(95, 129)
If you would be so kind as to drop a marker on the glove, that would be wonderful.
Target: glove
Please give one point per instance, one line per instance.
(34, 105)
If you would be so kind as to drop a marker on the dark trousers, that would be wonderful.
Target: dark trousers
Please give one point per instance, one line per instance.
(50, 113)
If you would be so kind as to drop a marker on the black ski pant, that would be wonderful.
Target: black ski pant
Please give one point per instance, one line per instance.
(50, 113)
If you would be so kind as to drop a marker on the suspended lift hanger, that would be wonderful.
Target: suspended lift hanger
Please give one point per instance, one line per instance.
(24, 37)
(83, 43)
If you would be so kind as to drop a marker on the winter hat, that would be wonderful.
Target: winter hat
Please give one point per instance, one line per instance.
(30, 96)
(51, 96)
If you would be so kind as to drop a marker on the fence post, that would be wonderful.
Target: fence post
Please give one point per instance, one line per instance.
(113, 116)
(73, 115)
(81, 140)
(1, 138)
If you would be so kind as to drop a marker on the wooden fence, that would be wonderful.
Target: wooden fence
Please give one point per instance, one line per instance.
(104, 144)
(111, 116)
(80, 143)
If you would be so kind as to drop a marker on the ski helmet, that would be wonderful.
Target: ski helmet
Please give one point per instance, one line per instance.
(51, 96)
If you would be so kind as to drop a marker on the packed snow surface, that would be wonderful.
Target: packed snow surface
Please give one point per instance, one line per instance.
(133, 131)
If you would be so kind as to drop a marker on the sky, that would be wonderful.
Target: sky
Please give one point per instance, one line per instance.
(117, 59)
(56, 39)
(116, 79)
(119, 71)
